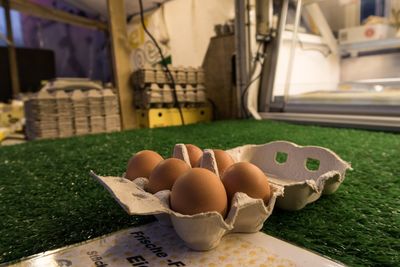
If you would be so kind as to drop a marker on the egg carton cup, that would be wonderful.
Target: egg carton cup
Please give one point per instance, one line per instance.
(201, 231)
(301, 185)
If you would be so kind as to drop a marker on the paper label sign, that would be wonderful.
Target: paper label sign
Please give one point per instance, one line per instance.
(157, 245)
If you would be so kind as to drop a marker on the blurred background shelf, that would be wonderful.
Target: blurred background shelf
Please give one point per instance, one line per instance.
(375, 45)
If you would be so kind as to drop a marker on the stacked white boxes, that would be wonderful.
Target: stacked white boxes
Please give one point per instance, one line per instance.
(62, 114)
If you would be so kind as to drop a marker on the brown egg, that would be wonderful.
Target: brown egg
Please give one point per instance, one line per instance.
(198, 190)
(194, 154)
(165, 174)
(223, 159)
(142, 164)
(247, 178)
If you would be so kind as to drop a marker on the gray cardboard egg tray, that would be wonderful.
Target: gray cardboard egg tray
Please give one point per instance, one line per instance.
(63, 114)
(292, 185)
(154, 90)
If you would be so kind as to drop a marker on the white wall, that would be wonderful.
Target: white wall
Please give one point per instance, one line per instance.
(190, 24)
(184, 27)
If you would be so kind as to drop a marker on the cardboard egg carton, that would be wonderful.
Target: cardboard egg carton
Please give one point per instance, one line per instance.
(52, 113)
(191, 75)
(301, 184)
(152, 94)
(190, 92)
(201, 231)
(180, 94)
(200, 76)
(110, 103)
(95, 103)
(112, 123)
(181, 77)
(63, 104)
(167, 94)
(153, 87)
(81, 125)
(97, 124)
(161, 75)
(42, 106)
(201, 96)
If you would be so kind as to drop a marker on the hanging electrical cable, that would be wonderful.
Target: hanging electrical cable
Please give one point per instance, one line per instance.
(163, 62)
(257, 59)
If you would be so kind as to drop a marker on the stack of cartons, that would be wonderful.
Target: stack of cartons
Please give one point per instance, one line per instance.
(112, 121)
(154, 89)
(61, 114)
(43, 120)
(80, 111)
(200, 93)
(96, 111)
(64, 114)
(200, 88)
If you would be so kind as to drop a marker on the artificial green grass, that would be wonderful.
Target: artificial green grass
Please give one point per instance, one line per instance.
(48, 200)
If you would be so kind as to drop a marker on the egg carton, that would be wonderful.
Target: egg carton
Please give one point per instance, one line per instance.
(301, 184)
(201, 231)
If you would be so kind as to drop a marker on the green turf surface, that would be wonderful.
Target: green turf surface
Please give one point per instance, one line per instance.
(48, 200)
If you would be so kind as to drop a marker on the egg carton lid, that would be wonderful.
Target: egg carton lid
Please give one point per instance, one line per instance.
(301, 185)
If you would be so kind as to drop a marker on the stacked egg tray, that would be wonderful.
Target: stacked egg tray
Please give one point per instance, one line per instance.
(64, 113)
(153, 88)
(292, 186)
(58, 113)
(40, 114)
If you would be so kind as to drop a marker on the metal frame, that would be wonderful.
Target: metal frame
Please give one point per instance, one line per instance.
(387, 120)
(355, 121)
(270, 63)
(241, 47)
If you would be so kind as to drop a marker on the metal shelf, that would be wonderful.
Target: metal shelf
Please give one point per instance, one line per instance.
(369, 122)
(368, 46)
